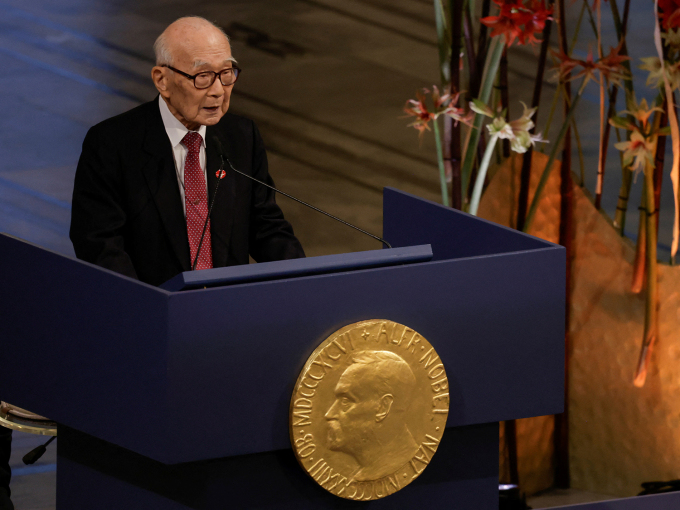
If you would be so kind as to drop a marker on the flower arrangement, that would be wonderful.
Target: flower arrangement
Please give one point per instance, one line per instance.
(466, 146)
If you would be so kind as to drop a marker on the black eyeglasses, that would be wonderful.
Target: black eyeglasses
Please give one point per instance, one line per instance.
(205, 79)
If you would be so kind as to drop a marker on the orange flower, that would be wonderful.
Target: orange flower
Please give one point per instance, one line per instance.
(519, 19)
(443, 105)
(608, 67)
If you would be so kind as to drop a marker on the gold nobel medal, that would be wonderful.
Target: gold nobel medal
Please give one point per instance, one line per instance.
(369, 409)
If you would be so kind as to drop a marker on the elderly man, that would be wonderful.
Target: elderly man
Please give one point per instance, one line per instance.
(146, 178)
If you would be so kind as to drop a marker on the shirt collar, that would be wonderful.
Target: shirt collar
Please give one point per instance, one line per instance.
(174, 128)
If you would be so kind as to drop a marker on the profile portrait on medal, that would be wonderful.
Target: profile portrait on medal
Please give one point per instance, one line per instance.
(367, 417)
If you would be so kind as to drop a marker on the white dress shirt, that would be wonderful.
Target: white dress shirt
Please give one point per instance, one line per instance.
(176, 132)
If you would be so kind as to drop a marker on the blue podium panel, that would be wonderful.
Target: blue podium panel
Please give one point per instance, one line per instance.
(119, 348)
(453, 234)
(239, 357)
(463, 475)
(83, 345)
(183, 380)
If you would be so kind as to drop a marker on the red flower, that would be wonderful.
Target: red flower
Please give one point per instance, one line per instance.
(519, 19)
(536, 22)
(670, 15)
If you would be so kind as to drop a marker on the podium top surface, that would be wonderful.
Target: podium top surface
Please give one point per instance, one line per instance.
(326, 264)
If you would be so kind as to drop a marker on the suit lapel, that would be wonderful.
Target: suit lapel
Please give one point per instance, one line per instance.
(161, 177)
(222, 214)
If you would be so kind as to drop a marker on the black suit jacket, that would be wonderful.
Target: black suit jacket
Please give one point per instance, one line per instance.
(127, 210)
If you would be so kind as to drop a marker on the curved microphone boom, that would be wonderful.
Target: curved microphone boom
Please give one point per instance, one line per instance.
(222, 157)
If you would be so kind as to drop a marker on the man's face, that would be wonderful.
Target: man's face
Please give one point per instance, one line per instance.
(194, 53)
(352, 417)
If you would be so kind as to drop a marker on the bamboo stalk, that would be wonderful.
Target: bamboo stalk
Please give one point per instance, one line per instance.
(482, 41)
(551, 158)
(604, 143)
(525, 176)
(613, 94)
(561, 435)
(579, 149)
(452, 131)
(473, 65)
(601, 154)
(626, 180)
(651, 331)
(504, 99)
(639, 264)
(574, 38)
(640, 251)
(553, 106)
(440, 163)
(659, 159)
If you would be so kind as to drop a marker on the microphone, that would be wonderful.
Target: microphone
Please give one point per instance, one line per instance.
(221, 174)
(35, 454)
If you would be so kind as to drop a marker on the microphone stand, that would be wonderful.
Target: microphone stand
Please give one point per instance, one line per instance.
(306, 204)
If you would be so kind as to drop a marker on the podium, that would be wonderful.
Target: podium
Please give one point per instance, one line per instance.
(180, 399)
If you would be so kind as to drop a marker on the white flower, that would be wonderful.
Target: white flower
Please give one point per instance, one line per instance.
(517, 131)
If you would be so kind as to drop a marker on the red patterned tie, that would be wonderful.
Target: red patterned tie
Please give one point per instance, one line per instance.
(196, 202)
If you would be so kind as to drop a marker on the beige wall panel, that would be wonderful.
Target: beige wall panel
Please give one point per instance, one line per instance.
(620, 436)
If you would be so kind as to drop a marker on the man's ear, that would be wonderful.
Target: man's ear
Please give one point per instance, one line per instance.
(384, 407)
(160, 79)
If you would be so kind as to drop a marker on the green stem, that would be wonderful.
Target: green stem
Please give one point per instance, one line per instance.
(440, 161)
(481, 175)
(490, 70)
(622, 203)
(579, 147)
(441, 15)
(553, 106)
(551, 159)
(651, 295)
(578, 27)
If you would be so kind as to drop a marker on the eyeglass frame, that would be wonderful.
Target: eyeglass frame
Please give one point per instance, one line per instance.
(215, 75)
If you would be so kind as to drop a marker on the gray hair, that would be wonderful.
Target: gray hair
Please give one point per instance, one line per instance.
(161, 47)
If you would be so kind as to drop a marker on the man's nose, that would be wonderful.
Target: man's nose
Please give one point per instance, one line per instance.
(216, 89)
